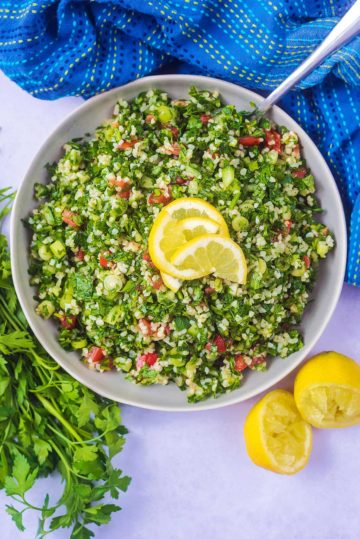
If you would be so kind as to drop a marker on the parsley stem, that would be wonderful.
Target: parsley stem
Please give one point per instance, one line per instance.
(52, 410)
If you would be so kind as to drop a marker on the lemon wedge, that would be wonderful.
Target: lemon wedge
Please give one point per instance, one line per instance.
(210, 253)
(276, 436)
(327, 391)
(179, 222)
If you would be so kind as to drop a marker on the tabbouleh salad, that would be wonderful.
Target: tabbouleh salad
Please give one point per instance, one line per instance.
(89, 252)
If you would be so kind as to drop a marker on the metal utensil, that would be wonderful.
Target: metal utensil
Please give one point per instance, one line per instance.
(346, 29)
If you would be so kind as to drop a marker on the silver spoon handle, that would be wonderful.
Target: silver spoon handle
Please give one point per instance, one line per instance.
(347, 28)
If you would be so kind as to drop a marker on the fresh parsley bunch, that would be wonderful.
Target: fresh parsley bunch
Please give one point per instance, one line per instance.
(50, 422)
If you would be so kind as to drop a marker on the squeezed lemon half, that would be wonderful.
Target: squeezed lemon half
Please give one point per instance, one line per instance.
(276, 436)
(327, 391)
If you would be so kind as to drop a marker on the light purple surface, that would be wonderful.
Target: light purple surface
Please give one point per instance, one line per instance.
(191, 476)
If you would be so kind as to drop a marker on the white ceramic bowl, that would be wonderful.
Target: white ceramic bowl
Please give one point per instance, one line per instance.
(113, 385)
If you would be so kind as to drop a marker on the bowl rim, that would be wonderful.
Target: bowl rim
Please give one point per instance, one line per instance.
(210, 403)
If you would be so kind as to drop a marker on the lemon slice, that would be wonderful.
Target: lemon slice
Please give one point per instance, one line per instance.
(210, 254)
(327, 391)
(185, 207)
(276, 436)
(171, 282)
(168, 234)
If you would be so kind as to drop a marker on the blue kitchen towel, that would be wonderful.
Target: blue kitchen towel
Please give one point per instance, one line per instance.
(54, 48)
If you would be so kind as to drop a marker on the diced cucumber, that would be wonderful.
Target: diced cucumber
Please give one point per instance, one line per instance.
(58, 249)
(113, 283)
(44, 252)
(123, 363)
(45, 309)
(115, 315)
(227, 175)
(165, 114)
(77, 345)
(240, 223)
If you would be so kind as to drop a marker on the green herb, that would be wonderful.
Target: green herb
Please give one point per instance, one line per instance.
(50, 422)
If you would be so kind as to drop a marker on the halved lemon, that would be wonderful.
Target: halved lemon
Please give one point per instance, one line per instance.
(210, 254)
(173, 228)
(276, 436)
(327, 391)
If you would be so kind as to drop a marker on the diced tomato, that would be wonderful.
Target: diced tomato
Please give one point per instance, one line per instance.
(240, 363)
(273, 140)
(126, 144)
(149, 118)
(208, 345)
(163, 198)
(220, 343)
(175, 149)
(104, 262)
(307, 261)
(300, 172)
(181, 181)
(167, 329)
(95, 354)
(144, 326)
(250, 141)
(296, 151)
(288, 224)
(258, 360)
(150, 358)
(80, 255)
(209, 290)
(174, 130)
(68, 322)
(68, 218)
(124, 194)
(147, 259)
(157, 284)
(119, 182)
(205, 118)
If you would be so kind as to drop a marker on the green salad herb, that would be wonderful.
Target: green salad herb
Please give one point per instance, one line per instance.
(50, 422)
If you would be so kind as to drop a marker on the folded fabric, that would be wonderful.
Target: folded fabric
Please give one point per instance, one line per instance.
(55, 48)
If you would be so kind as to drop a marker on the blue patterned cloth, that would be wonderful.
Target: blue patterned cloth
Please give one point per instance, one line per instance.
(54, 48)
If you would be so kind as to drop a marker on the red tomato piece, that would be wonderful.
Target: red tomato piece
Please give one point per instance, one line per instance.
(145, 327)
(220, 344)
(273, 140)
(150, 358)
(119, 182)
(68, 322)
(68, 218)
(300, 172)
(163, 198)
(205, 118)
(127, 144)
(95, 354)
(80, 255)
(174, 130)
(307, 261)
(157, 284)
(181, 181)
(288, 224)
(124, 194)
(104, 262)
(240, 363)
(258, 360)
(250, 141)
(209, 290)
